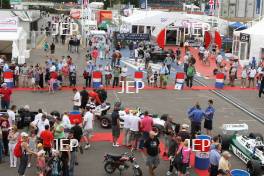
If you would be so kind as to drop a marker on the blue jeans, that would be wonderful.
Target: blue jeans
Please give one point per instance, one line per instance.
(23, 164)
(1, 150)
(145, 135)
(5, 104)
(72, 163)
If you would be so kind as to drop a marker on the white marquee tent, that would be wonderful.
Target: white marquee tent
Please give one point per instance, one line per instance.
(254, 48)
(16, 36)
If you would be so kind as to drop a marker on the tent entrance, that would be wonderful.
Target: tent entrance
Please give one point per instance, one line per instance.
(243, 51)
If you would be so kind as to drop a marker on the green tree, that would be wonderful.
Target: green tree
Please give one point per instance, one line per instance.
(5, 4)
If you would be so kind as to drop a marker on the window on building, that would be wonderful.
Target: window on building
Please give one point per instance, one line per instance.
(140, 29)
(134, 29)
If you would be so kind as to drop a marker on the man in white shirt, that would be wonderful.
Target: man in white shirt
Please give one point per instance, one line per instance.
(134, 129)
(76, 100)
(12, 115)
(88, 126)
(126, 127)
(39, 124)
(39, 115)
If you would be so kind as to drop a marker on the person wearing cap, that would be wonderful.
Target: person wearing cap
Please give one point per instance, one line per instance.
(214, 157)
(25, 154)
(5, 94)
(224, 166)
(126, 127)
(12, 138)
(209, 115)
(76, 99)
(184, 132)
(151, 151)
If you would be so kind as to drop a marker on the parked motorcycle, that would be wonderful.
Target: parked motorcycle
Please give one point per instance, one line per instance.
(120, 162)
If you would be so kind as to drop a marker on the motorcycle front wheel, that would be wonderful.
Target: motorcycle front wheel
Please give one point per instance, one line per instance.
(137, 171)
(109, 167)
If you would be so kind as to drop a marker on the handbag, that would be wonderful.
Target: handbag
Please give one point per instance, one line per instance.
(178, 159)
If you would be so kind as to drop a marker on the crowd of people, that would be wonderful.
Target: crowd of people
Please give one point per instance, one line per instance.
(138, 133)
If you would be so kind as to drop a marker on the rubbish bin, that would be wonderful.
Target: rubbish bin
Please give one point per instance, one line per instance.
(239, 172)
(202, 161)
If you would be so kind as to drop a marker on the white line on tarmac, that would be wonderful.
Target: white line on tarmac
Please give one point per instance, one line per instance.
(244, 120)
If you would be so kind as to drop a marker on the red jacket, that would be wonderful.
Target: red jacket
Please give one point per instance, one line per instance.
(6, 94)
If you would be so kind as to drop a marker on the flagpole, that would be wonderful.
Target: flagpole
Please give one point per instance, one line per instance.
(219, 11)
(82, 18)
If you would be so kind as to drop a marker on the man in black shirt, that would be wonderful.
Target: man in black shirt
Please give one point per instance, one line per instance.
(184, 133)
(77, 134)
(151, 150)
(102, 93)
(84, 98)
(115, 125)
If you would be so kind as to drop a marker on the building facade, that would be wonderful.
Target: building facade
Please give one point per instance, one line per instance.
(250, 9)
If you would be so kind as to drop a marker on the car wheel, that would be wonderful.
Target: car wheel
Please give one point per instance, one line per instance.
(105, 123)
(254, 168)
(226, 139)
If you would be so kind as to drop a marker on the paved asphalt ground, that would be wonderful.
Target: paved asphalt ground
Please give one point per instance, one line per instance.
(173, 102)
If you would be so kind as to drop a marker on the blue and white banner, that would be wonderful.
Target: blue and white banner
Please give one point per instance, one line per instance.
(258, 6)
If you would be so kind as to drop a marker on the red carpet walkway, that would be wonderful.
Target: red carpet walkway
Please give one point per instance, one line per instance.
(145, 88)
(204, 70)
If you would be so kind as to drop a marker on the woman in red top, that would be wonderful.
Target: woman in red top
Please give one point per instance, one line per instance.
(5, 96)
(94, 54)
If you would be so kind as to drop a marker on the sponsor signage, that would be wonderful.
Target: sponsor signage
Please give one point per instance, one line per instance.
(132, 36)
(8, 24)
(244, 37)
(13, 2)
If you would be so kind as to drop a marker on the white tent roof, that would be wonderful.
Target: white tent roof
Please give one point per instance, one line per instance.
(256, 29)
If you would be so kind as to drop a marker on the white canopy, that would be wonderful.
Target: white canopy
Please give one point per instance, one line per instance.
(256, 41)
(256, 29)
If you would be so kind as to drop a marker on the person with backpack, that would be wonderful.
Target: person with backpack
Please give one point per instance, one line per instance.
(174, 145)
(190, 74)
(12, 137)
(22, 151)
(186, 153)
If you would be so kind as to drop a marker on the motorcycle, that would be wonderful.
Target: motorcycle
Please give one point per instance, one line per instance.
(120, 162)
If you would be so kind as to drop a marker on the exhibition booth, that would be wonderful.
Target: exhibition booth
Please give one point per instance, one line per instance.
(13, 39)
(249, 43)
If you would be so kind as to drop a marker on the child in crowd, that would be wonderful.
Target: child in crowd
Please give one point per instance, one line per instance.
(32, 144)
(12, 137)
(155, 79)
(41, 165)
